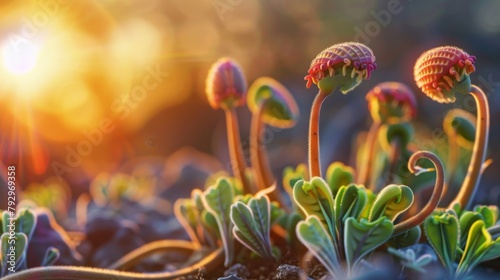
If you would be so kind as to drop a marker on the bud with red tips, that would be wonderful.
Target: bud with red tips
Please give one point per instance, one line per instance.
(344, 65)
(392, 102)
(442, 71)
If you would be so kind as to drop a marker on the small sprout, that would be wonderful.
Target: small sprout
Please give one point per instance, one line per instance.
(252, 225)
(442, 71)
(217, 200)
(272, 104)
(439, 73)
(344, 65)
(292, 176)
(391, 102)
(350, 201)
(226, 88)
(415, 257)
(51, 256)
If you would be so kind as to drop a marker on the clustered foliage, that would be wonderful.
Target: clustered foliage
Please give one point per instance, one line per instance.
(347, 217)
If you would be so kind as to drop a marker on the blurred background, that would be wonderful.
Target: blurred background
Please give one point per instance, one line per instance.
(90, 86)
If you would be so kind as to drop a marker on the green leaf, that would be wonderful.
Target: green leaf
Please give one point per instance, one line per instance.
(408, 238)
(51, 256)
(6, 219)
(217, 200)
(338, 175)
(188, 216)
(26, 222)
(291, 176)
(415, 257)
(315, 198)
(252, 225)
(467, 219)
(391, 201)
(492, 252)
(315, 237)
(350, 202)
(361, 238)
(276, 212)
(478, 243)
(442, 231)
(489, 214)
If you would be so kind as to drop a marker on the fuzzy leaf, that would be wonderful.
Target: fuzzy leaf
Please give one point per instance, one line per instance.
(315, 198)
(217, 200)
(442, 231)
(188, 216)
(360, 238)
(415, 257)
(391, 201)
(338, 175)
(252, 225)
(315, 237)
(478, 243)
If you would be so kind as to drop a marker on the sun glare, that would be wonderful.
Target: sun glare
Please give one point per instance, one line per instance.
(21, 58)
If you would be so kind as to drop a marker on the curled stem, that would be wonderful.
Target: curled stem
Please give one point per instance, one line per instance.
(314, 156)
(471, 181)
(161, 246)
(238, 162)
(436, 193)
(211, 261)
(369, 154)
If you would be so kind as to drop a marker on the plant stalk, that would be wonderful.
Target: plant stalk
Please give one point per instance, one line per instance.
(314, 156)
(369, 154)
(238, 162)
(471, 181)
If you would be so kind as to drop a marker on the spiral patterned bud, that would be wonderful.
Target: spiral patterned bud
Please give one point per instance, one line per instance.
(351, 60)
(226, 85)
(442, 71)
(392, 102)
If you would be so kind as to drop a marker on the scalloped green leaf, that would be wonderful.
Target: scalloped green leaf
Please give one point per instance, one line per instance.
(443, 234)
(361, 238)
(252, 225)
(315, 198)
(338, 175)
(217, 200)
(313, 234)
(391, 201)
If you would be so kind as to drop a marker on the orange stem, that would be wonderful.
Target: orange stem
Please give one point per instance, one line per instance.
(238, 162)
(314, 156)
(471, 181)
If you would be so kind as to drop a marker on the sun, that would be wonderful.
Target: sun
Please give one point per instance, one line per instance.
(21, 58)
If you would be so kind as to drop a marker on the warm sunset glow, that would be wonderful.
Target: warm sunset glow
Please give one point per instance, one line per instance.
(20, 59)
